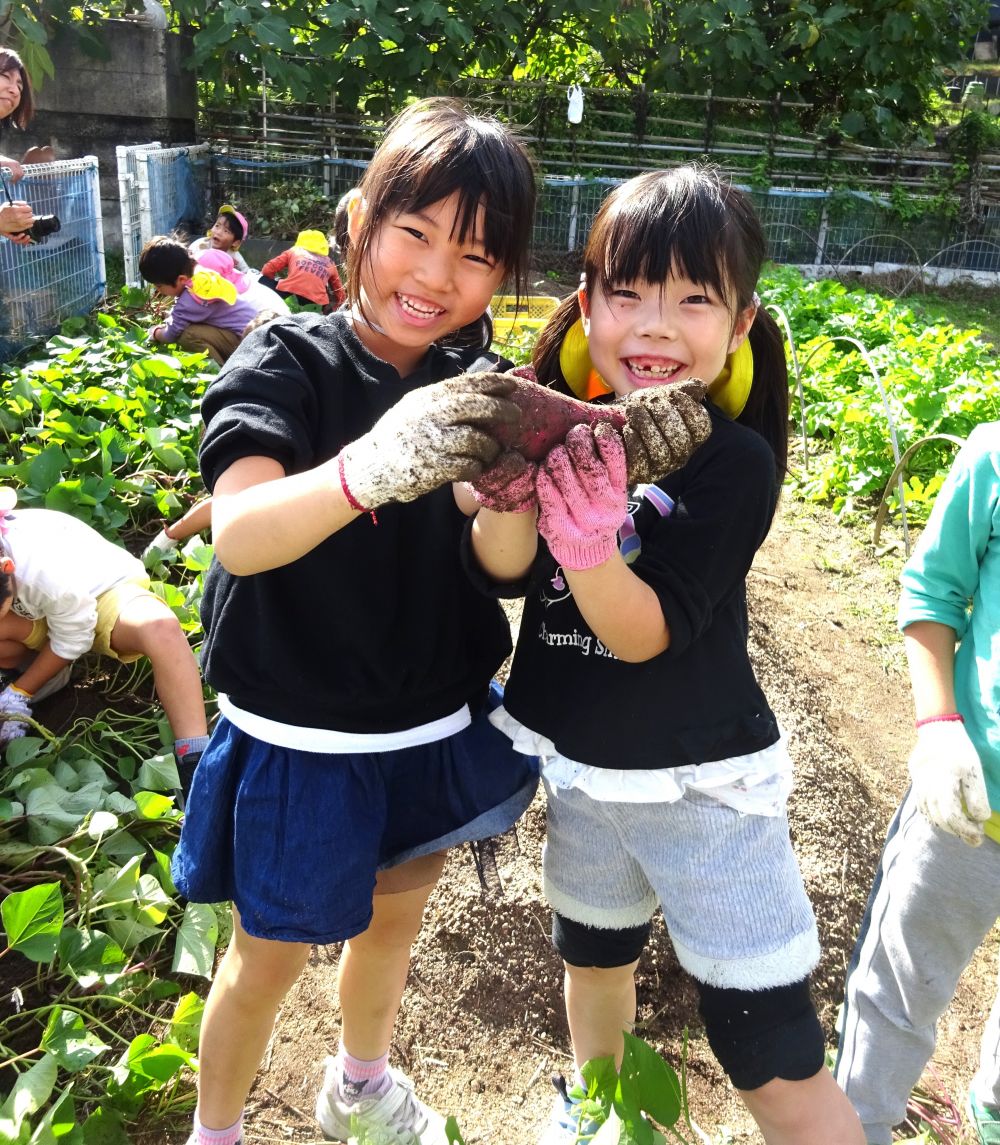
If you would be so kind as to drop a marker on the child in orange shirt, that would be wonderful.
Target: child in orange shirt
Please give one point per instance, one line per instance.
(309, 272)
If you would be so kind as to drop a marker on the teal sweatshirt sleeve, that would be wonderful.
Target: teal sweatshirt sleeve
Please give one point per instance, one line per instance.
(945, 572)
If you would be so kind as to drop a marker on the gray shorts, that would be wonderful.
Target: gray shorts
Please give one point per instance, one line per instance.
(728, 884)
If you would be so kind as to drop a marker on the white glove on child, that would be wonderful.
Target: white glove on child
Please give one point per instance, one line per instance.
(13, 702)
(948, 782)
(432, 436)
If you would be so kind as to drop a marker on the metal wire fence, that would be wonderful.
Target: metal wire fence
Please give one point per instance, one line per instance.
(813, 228)
(161, 190)
(40, 285)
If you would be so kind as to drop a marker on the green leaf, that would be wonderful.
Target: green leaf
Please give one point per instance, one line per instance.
(69, 1041)
(185, 1025)
(105, 1126)
(152, 805)
(31, 1091)
(19, 751)
(101, 822)
(90, 956)
(47, 468)
(156, 1061)
(158, 773)
(33, 919)
(194, 950)
(656, 1084)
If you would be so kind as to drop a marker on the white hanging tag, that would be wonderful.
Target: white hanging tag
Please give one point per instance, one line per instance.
(574, 113)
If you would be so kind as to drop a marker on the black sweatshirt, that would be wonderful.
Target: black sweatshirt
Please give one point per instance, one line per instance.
(378, 628)
(699, 700)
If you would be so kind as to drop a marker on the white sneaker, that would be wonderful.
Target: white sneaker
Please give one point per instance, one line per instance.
(396, 1117)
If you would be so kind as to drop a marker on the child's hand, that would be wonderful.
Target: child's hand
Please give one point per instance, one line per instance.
(156, 334)
(664, 425)
(13, 702)
(581, 488)
(508, 486)
(431, 437)
(948, 782)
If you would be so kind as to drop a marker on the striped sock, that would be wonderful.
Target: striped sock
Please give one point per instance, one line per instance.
(231, 1136)
(362, 1078)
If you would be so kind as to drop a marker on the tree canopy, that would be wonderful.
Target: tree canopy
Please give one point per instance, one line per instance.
(870, 67)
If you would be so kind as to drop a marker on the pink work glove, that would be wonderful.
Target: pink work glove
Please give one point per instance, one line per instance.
(508, 486)
(581, 489)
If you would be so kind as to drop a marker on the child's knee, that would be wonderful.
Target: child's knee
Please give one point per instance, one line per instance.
(762, 1035)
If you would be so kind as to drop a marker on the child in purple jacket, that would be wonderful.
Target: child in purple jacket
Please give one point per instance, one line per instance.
(209, 313)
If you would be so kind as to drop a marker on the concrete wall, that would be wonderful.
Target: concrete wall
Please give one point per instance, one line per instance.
(142, 93)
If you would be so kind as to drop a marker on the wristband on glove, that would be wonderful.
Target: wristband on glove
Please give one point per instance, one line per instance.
(354, 503)
(951, 717)
(21, 691)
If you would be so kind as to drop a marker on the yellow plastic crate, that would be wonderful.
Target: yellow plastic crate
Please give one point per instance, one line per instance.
(532, 314)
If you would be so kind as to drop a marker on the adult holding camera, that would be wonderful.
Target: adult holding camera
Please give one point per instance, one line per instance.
(17, 109)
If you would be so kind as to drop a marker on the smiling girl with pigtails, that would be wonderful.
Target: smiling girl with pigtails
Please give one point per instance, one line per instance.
(665, 771)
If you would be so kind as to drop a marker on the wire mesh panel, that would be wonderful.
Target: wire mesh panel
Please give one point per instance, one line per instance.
(239, 172)
(128, 194)
(42, 284)
(174, 187)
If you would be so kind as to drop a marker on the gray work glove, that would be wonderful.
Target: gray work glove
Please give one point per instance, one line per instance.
(431, 436)
(664, 425)
(948, 782)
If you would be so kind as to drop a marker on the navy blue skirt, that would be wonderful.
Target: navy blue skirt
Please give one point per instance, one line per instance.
(295, 838)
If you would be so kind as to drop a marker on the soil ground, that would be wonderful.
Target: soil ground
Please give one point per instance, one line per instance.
(482, 1025)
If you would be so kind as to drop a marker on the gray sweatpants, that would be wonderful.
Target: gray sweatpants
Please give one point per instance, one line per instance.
(933, 902)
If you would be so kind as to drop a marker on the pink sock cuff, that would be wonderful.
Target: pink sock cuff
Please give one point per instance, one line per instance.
(230, 1136)
(354, 1069)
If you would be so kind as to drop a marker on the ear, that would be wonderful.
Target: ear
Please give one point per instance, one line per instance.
(742, 328)
(182, 281)
(584, 301)
(356, 207)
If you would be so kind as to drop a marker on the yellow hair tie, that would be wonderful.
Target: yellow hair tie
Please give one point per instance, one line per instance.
(314, 242)
(209, 285)
(576, 366)
(729, 391)
(731, 388)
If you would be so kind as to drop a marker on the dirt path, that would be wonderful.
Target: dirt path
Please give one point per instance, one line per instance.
(482, 1025)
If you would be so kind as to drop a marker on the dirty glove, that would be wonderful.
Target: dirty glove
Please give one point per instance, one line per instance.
(431, 436)
(13, 702)
(581, 488)
(948, 782)
(508, 486)
(664, 425)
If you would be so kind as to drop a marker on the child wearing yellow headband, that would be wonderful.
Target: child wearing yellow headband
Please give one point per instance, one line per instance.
(665, 770)
(310, 275)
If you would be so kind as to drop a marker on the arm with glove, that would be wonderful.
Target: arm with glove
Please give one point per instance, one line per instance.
(582, 502)
(431, 437)
(945, 768)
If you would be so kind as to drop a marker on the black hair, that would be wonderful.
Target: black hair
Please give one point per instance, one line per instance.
(692, 223)
(340, 236)
(23, 114)
(164, 259)
(232, 223)
(436, 148)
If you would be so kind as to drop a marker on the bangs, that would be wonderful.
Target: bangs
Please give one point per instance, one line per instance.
(669, 224)
(447, 154)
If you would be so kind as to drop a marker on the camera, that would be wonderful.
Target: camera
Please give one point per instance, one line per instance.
(41, 227)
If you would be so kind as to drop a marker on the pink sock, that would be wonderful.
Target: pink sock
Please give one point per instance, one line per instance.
(231, 1136)
(363, 1079)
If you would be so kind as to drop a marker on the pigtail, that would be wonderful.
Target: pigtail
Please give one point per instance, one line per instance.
(545, 357)
(766, 410)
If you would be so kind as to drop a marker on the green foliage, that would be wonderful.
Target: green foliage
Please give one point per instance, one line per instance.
(938, 379)
(872, 71)
(102, 427)
(283, 209)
